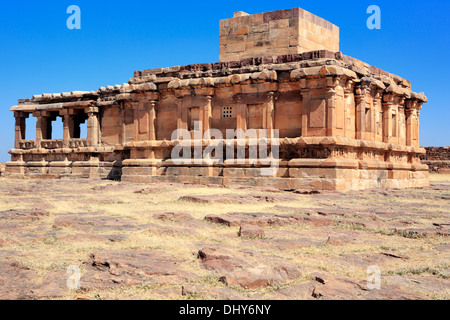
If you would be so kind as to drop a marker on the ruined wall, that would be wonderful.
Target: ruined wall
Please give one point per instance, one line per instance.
(437, 158)
(275, 33)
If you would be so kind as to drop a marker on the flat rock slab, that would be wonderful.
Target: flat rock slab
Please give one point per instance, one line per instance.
(267, 219)
(87, 237)
(173, 216)
(97, 223)
(239, 199)
(24, 214)
(205, 292)
(150, 190)
(305, 211)
(251, 231)
(365, 260)
(54, 285)
(16, 281)
(419, 283)
(116, 268)
(175, 230)
(332, 237)
(256, 277)
(288, 244)
(332, 287)
(247, 269)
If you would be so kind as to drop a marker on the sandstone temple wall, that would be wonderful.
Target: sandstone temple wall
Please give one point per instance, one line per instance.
(343, 124)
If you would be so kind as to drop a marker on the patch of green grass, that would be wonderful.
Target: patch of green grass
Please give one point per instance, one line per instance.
(419, 271)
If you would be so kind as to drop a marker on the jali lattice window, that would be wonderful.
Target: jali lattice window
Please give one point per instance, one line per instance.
(227, 112)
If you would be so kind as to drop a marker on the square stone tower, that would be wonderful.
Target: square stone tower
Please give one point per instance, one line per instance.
(275, 33)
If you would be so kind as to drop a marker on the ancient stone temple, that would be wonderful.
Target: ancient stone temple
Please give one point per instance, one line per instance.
(342, 124)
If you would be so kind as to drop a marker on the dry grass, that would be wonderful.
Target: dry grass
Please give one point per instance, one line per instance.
(46, 252)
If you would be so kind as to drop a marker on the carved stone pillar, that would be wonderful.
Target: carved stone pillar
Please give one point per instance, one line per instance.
(388, 100)
(270, 113)
(241, 113)
(67, 126)
(401, 127)
(417, 131)
(306, 101)
(93, 127)
(331, 105)
(361, 106)
(348, 90)
(123, 107)
(411, 107)
(136, 107)
(378, 114)
(20, 127)
(40, 127)
(207, 114)
(152, 120)
(182, 121)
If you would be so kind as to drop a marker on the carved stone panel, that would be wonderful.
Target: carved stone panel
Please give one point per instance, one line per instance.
(317, 114)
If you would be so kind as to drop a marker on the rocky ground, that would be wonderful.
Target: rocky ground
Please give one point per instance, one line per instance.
(134, 241)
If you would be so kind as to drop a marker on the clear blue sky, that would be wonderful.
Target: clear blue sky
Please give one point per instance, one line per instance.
(38, 54)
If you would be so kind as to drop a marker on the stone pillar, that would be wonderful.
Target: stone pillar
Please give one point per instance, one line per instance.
(207, 114)
(306, 101)
(136, 107)
(348, 90)
(43, 126)
(401, 133)
(20, 127)
(241, 113)
(181, 114)
(417, 132)
(331, 106)
(152, 120)
(270, 113)
(67, 126)
(388, 100)
(411, 106)
(123, 107)
(93, 127)
(377, 115)
(360, 98)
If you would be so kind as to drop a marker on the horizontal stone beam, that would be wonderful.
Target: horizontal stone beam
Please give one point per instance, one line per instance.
(52, 106)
